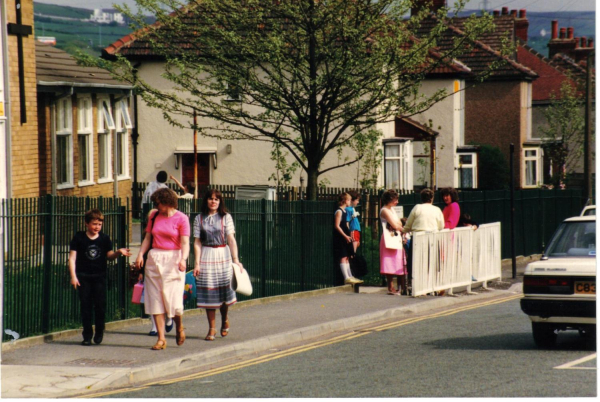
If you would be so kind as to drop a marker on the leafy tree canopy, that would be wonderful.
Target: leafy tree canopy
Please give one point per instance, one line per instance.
(309, 75)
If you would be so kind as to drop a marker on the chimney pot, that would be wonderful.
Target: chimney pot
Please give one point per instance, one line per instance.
(570, 32)
(513, 13)
(577, 42)
(496, 13)
(554, 29)
(522, 13)
(590, 43)
(504, 10)
(583, 41)
(563, 33)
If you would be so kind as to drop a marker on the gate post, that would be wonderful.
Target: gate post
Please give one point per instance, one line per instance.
(47, 266)
(122, 271)
(263, 279)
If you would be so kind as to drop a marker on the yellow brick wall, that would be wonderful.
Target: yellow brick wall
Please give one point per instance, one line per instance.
(24, 137)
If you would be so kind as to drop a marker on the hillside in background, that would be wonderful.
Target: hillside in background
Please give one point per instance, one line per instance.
(72, 33)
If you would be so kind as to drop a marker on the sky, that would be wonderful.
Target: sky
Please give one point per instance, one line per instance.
(530, 5)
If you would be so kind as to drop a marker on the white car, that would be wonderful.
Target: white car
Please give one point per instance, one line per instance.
(560, 289)
(589, 210)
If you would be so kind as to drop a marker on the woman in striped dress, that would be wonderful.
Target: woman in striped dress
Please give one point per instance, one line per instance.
(215, 249)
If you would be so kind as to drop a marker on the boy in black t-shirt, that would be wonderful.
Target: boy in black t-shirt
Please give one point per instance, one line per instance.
(89, 252)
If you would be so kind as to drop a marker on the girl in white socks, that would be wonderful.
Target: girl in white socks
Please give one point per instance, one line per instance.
(342, 242)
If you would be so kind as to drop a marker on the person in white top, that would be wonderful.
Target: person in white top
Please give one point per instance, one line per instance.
(161, 179)
(425, 217)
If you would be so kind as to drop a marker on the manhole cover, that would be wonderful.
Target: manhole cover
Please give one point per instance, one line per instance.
(101, 362)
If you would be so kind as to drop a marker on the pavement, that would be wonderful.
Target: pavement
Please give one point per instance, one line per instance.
(56, 365)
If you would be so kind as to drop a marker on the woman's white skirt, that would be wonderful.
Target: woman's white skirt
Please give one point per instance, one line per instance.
(163, 283)
(213, 285)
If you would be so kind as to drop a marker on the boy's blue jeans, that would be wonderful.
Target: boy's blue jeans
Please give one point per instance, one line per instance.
(92, 295)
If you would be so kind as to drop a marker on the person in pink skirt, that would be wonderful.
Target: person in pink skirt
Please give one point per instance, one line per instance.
(392, 261)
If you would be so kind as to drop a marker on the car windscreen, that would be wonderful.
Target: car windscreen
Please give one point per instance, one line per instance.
(589, 211)
(573, 239)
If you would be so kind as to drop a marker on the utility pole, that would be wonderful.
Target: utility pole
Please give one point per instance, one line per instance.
(587, 141)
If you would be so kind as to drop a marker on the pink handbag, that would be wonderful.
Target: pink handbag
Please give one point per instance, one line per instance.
(138, 289)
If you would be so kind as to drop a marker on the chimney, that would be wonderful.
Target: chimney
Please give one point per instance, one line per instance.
(583, 41)
(565, 42)
(432, 5)
(555, 29)
(522, 26)
(504, 10)
(496, 13)
(563, 33)
(513, 13)
(591, 43)
(577, 42)
(570, 32)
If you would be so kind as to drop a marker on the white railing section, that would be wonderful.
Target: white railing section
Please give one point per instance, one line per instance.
(454, 258)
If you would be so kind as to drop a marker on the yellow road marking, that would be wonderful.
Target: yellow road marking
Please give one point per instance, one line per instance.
(571, 365)
(300, 349)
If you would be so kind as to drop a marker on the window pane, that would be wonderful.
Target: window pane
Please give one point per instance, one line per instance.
(530, 173)
(392, 173)
(102, 155)
(465, 159)
(120, 156)
(392, 151)
(531, 153)
(62, 159)
(84, 174)
(465, 178)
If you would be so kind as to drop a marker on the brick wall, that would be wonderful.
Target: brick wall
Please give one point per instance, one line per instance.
(493, 116)
(24, 137)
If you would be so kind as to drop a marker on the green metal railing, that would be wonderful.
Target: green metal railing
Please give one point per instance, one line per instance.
(285, 245)
(38, 297)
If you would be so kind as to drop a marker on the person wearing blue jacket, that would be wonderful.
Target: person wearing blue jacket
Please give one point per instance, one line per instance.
(353, 222)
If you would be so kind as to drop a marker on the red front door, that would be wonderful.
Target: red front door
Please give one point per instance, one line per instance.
(187, 173)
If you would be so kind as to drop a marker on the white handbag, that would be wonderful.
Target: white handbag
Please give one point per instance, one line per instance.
(241, 280)
(392, 241)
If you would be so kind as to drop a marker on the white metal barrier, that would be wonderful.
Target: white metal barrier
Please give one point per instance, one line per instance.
(452, 258)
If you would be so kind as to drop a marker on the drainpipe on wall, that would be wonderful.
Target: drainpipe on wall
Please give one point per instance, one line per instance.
(115, 153)
(135, 135)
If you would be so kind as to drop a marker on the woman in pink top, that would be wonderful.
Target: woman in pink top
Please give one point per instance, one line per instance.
(452, 210)
(168, 240)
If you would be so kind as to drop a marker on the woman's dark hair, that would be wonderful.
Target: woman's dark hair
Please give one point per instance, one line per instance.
(190, 187)
(354, 195)
(342, 198)
(426, 195)
(165, 196)
(222, 210)
(389, 196)
(451, 191)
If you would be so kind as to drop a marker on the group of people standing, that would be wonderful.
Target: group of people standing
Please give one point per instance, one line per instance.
(395, 261)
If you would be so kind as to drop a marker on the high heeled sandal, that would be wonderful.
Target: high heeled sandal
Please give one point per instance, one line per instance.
(160, 345)
(180, 336)
(210, 337)
(225, 331)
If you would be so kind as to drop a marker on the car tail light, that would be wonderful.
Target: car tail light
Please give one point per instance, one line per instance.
(547, 285)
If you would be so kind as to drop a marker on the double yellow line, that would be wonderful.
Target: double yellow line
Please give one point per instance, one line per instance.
(303, 348)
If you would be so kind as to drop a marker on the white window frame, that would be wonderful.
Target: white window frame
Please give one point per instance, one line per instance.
(123, 124)
(85, 131)
(405, 164)
(538, 159)
(106, 124)
(458, 166)
(64, 129)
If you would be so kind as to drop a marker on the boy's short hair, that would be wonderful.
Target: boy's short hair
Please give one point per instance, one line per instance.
(191, 188)
(162, 177)
(354, 195)
(94, 214)
(426, 195)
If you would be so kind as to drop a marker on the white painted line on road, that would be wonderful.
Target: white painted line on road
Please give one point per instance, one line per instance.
(571, 365)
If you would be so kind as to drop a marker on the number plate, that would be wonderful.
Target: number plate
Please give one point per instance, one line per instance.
(585, 288)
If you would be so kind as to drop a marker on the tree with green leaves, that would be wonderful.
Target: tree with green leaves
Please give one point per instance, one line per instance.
(309, 75)
(563, 135)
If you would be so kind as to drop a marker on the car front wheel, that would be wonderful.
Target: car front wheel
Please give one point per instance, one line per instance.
(544, 334)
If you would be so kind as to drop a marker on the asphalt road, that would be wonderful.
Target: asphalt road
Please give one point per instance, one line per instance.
(483, 350)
